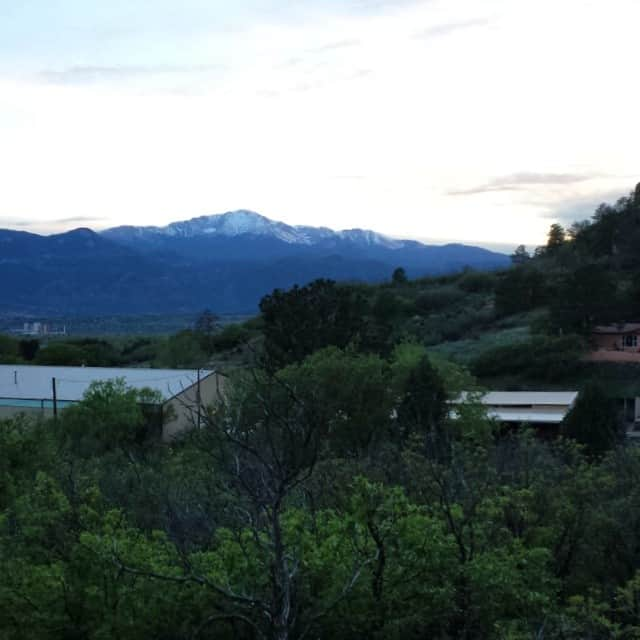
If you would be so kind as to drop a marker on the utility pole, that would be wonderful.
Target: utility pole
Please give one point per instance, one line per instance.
(55, 398)
(198, 397)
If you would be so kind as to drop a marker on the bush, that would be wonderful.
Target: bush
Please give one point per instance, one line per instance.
(232, 336)
(593, 421)
(62, 354)
(435, 299)
(477, 281)
(541, 358)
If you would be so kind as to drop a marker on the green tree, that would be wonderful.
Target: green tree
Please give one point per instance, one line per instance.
(593, 421)
(111, 416)
(586, 296)
(521, 288)
(520, 255)
(304, 319)
(399, 276)
(28, 349)
(556, 237)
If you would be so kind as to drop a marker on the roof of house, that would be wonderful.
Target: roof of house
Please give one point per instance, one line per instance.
(535, 407)
(617, 329)
(30, 382)
(531, 417)
(525, 398)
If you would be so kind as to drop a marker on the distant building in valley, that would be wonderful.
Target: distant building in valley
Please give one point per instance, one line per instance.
(41, 329)
(40, 390)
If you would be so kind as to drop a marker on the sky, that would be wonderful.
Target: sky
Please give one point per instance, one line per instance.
(440, 120)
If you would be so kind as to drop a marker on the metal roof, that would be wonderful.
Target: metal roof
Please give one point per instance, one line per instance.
(30, 382)
(522, 415)
(525, 398)
(534, 407)
(617, 329)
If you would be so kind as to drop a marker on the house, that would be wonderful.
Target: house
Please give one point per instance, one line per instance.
(531, 407)
(45, 390)
(616, 342)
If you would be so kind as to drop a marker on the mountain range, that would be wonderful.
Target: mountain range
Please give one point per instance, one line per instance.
(225, 262)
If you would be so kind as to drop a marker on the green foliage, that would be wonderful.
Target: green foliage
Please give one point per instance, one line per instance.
(9, 349)
(110, 416)
(304, 319)
(593, 421)
(586, 297)
(61, 354)
(520, 255)
(399, 276)
(477, 281)
(347, 394)
(556, 237)
(231, 337)
(335, 493)
(89, 352)
(542, 358)
(182, 350)
(522, 288)
(28, 349)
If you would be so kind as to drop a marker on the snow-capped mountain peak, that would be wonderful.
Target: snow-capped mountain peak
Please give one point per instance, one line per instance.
(245, 222)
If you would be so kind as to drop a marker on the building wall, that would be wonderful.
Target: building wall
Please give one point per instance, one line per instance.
(612, 341)
(181, 412)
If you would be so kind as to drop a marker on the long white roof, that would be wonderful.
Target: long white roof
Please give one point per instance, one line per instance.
(30, 382)
(535, 407)
(525, 398)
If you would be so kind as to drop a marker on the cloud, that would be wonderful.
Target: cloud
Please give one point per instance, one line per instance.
(50, 225)
(524, 180)
(6, 223)
(82, 75)
(78, 219)
(449, 27)
(332, 46)
(579, 208)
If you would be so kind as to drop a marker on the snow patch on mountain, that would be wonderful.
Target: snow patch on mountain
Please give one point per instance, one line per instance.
(241, 222)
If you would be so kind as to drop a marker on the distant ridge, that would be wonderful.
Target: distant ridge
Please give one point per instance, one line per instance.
(245, 222)
(226, 262)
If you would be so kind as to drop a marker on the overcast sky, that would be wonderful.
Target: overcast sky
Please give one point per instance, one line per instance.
(476, 121)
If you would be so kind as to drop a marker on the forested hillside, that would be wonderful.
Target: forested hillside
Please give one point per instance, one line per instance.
(333, 493)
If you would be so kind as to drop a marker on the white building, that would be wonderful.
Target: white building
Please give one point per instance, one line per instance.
(532, 407)
(45, 390)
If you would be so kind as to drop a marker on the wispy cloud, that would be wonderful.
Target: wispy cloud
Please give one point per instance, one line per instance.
(524, 180)
(81, 75)
(574, 209)
(50, 225)
(449, 27)
(6, 223)
(79, 219)
(332, 46)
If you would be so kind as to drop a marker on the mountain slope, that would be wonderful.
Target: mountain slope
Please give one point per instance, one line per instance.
(225, 262)
(242, 235)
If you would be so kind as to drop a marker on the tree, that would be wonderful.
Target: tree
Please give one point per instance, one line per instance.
(304, 319)
(593, 421)
(264, 444)
(423, 407)
(29, 348)
(111, 416)
(586, 296)
(399, 276)
(520, 255)
(521, 288)
(556, 237)
(206, 325)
